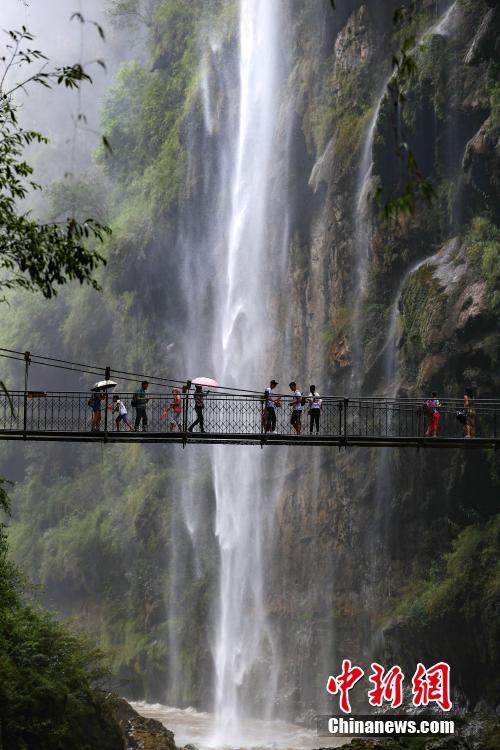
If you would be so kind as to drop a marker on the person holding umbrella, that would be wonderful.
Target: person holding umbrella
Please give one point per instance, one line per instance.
(198, 407)
(99, 390)
(95, 401)
(199, 399)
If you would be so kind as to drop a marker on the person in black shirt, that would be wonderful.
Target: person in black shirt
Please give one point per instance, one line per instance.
(198, 407)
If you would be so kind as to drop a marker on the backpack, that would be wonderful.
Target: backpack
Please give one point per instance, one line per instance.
(134, 400)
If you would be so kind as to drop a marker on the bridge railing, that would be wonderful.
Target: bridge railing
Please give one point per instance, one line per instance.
(69, 412)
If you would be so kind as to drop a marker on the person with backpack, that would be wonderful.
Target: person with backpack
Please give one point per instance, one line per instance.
(198, 407)
(121, 409)
(314, 409)
(431, 408)
(296, 408)
(139, 402)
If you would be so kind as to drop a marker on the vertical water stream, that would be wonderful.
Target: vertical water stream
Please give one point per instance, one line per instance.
(244, 652)
(232, 268)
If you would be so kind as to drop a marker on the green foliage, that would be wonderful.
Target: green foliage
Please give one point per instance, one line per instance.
(339, 325)
(484, 253)
(131, 13)
(421, 299)
(349, 134)
(406, 69)
(48, 676)
(143, 121)
(465, 588)
(95, 534)
(494, 96)
(34, 255)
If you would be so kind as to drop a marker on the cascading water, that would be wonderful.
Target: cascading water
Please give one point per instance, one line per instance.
(244, 652)
(231, 255)
(232, 266)
(362, 242)
(363, 217)
(389, 382)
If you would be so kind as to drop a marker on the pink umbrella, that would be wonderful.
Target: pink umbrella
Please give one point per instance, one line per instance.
(206, 381)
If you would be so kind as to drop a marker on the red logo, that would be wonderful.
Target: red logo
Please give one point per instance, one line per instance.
(387, 687)
(428, 685)
(432, 685)
(344, 682)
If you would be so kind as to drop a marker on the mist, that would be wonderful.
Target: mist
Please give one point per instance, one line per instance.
(65, 40)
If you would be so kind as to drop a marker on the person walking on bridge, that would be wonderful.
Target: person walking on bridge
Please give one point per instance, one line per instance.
(198, 407)
(121, 409)
(432, 406)
(139, 402)
(314, 409)
(176, 407)
(470, 414)
(95, 402)
(271, 402)
(296, 408)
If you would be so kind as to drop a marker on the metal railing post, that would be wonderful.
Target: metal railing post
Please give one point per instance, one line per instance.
(185, 413)
(107, 376)
(27, 363)
(346, 407)
(340, 418)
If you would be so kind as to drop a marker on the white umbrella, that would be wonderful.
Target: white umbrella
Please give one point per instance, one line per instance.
(104, 385)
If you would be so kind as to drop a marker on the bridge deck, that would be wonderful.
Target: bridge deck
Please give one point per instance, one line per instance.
(258, 439)
(239, 419)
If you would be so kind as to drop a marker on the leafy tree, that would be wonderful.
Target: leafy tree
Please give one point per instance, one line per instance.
(48, 675)
(35, 255)
(132, 12)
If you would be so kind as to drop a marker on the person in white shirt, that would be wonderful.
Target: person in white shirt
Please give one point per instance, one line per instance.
(271, 402)
(314, 409)
(119, 406)
(296, 408)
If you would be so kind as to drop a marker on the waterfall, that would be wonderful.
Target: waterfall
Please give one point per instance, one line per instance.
(244, 651)
(444, 25)
(363, 218)
(231, 245)
(362, 241)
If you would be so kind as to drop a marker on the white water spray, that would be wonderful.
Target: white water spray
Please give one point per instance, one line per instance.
(244, 653)
(362, 241)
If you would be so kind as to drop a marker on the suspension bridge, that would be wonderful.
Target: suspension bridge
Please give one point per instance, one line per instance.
(234, 416)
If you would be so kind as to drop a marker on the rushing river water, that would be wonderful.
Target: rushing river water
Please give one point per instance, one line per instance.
(191, 727)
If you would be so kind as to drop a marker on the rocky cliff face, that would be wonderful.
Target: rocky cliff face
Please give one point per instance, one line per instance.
(368, 538)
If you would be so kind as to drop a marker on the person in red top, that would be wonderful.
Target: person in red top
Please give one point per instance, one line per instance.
(432, 410)
(175, 411)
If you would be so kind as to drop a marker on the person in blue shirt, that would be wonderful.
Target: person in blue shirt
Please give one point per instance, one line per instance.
(95, 402)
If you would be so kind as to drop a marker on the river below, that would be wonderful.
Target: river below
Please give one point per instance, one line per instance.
(191, 727)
